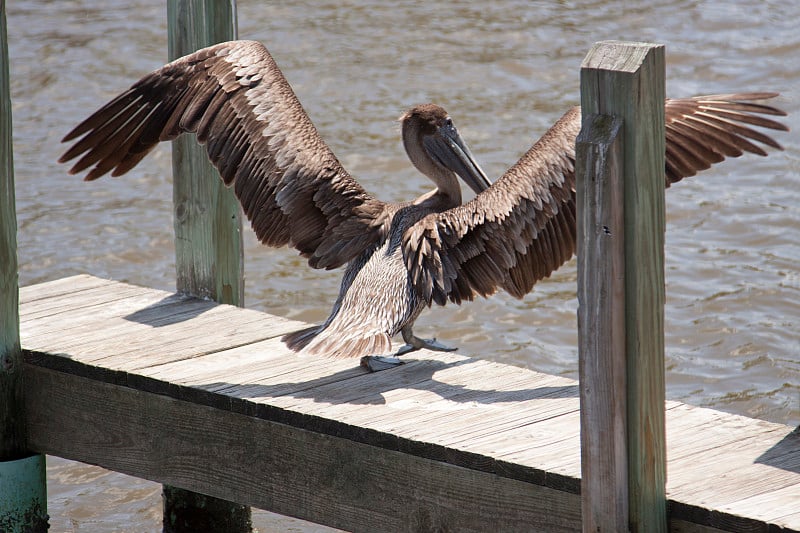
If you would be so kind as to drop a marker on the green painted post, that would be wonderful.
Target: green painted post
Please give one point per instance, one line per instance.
(23, 495)
(208, 242)
(23, 489)
(627, 80)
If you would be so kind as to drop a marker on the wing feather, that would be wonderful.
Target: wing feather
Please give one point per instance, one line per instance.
(523, 227)
(233, 96)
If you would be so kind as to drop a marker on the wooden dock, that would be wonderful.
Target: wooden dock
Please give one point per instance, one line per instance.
(205, 397)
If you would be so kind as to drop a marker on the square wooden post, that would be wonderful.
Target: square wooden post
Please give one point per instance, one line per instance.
(624, 81)
(207, 216)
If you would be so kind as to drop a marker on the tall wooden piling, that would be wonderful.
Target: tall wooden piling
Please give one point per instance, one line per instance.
(208, 241)
(207, 216)
(23, 495)
(624, 81)
(601, 322)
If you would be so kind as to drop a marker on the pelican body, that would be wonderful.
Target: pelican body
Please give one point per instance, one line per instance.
(400, 257)
(378, 297)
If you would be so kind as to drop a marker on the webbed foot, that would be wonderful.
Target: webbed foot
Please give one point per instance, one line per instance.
(430, 344)
(376, 363)
(415, 343)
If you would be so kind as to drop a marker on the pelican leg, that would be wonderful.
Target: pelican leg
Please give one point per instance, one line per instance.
(415, 343)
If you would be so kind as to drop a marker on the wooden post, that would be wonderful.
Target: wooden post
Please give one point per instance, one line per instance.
(208, 241)
(601, 324)
(626, 80)
(207, 216)
(23, 491)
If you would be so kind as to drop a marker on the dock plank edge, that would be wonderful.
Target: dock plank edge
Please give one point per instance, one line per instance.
(47, 374)
(304, 421)
(299, 472)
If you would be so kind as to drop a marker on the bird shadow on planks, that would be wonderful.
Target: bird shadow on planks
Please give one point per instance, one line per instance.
(785, 454)
(358, 387)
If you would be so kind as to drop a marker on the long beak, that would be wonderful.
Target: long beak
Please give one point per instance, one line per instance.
(450, 150)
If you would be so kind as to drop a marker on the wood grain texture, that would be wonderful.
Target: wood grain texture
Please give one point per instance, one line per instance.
(12, 418)
(208, 219)
(274, 466)
(601, 324)
(444, 440)
(627, 80)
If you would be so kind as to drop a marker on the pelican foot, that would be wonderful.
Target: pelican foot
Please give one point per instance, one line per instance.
(430, 344)
(376, 363)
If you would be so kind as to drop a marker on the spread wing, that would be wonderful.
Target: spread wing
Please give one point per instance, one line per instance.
(233, 96)
(704, 130)
(523, 227)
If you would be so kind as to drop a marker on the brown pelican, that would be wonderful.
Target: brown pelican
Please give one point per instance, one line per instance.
(400, 257)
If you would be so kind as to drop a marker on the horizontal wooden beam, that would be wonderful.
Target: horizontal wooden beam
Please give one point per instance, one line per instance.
(277, 467)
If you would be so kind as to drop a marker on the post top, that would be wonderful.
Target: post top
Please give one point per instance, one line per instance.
(619, 55)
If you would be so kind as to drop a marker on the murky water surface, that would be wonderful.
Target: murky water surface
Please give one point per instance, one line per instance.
(505, 70)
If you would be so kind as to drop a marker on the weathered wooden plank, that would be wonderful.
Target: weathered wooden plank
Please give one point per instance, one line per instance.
(706, 445)
(704, 518)
(780, 506)
(181, 341)
(61, 286)
(244, 362)
(530, 438)
(294, 366)
(78, 309)
(712, 431)
(601, 324)
(751, 483)
(457, 412)
(418, 382)
(627, 80)
(438, 423)
(157, 326)
(473, 420)
(342, 483)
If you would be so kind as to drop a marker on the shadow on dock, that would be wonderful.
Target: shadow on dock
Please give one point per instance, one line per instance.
(416, 375)
(785, 454)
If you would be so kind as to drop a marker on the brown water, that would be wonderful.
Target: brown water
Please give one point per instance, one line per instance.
(505, 70)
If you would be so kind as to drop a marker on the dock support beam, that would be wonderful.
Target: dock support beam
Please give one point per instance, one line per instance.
(208, 241)
(23, 489)
(620, 166)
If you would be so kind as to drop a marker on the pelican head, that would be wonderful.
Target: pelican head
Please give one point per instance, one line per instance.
(437, 150)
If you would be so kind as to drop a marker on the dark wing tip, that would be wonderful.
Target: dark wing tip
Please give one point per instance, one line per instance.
(72, 135)
(77, 131)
